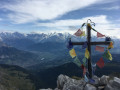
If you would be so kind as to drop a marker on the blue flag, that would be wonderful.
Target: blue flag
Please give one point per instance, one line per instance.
(92, 81)
(93, 68)
(85, 78)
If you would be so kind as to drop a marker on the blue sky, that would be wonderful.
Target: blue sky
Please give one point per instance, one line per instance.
(58, 15)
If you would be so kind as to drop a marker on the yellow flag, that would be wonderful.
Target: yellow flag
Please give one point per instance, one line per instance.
(110, 56)
(110, 45)
(72, 53)
(87, 55)
(83, 33)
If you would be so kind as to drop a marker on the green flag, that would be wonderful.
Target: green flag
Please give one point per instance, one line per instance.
(107, 55)
(84, 61)
(77, 61)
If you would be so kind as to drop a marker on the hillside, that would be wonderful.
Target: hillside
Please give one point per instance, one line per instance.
(15, 78)
(49, 76)
(13, 56)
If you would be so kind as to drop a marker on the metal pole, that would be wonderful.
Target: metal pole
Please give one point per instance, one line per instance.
(89, 49)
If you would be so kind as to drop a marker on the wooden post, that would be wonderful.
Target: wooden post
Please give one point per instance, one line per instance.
(89, 49)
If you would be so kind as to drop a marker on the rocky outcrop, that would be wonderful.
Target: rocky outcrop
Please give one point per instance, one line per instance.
(113, 84)
(104, 83)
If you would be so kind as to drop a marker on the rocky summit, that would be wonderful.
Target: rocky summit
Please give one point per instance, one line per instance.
(99, 83)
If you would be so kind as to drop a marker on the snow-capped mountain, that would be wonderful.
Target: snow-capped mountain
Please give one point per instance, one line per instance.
(22, 41)
(59, 37)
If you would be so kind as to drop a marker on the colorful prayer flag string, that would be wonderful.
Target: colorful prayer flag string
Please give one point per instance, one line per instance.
(100, 63)
(87, 55)
(100, 49)
(77, 62)
(72, 53)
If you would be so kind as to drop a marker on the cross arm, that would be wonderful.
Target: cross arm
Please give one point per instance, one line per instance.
(91, 43)
(100, 43)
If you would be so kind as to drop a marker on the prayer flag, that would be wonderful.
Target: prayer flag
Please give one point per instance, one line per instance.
(84, 71)
(92, 81)
(98, 48)
(77, 61)
(83, 33)
(107, 55)
(82, 66)
(84, 61)
(87, 55)
(93, 68)
(84, 45)
(100, 63)
(72, 53)
(110, 45)
(100, 35)
(78, 33)
(110, 56)
(85, 78)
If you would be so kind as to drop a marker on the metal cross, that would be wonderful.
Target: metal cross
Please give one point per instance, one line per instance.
(89, 43)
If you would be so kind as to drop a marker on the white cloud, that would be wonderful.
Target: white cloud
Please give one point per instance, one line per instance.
(103, 25)
(31, 10)
(75, 22)
(111, 8)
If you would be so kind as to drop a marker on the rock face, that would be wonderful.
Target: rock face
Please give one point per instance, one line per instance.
(89, 87)
(113, 84)
(62, 79)
(104, 83)
(104, 80)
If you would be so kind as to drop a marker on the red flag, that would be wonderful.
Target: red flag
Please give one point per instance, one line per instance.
(98, 48)
(79, 32)
(100, 35)
(82, 66)
(84, 71)
(100, 63)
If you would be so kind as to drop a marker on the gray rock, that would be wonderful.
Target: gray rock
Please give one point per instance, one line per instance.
(73, 84)
(90, 87)
(97, 80)
(104, 79)
(111, 82)
(56, 89)
(100, 87)
(109, 87)
(62, 79)
(116, 82)
(46, 89)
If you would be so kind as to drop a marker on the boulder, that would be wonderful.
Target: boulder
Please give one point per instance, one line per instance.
(46, 89)
(100, 87)
(62, 79)
(116, 83)
(90, 87)
(73, 84)
(109, 87)
(104, 80)
(113, 84)
(56, 89)
(97, 80)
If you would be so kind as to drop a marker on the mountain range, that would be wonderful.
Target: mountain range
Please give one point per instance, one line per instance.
(44, 50)
(22, 41)
(45, 56)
